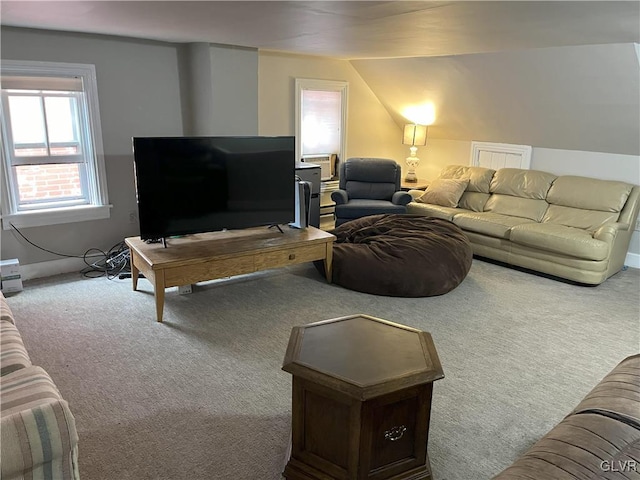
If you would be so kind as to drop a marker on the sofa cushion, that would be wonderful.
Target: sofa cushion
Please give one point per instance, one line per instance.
(518, 182)
(589, 220)
(445, 192)
(13, 355)
(437, 211)
(474, 201)
(479, 177)
(530, 208)
(487, 223)
(569, 241)
(589, 193)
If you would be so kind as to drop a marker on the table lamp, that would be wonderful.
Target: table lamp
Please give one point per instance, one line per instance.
(413, 135)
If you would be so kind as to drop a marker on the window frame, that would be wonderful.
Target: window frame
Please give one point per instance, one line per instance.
(302, 84)
(97, 206)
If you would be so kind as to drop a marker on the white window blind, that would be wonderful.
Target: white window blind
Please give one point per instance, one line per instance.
(321, 122)
(321, 117)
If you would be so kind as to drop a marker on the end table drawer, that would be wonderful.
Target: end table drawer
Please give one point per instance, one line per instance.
(290, 256)
(394, 433)
(399, 425)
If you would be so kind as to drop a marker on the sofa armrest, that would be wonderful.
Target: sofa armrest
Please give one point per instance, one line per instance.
(41, 438)
(340, 197)
(415, 194)
(607, 233)
(401, 198)
(37, 430)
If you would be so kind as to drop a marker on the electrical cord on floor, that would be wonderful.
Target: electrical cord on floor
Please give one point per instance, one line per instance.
(111, 263)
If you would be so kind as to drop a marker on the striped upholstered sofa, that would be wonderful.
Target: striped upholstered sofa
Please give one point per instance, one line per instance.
(38, 438)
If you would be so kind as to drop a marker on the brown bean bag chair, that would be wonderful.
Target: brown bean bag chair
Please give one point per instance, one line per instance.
(400, 255)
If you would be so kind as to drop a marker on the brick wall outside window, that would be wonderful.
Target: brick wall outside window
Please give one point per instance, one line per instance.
(43, 182)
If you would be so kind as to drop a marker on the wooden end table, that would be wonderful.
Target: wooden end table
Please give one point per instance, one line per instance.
(419, 184)
(362, 390)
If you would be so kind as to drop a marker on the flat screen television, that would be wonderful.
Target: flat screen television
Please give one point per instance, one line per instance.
(189, 185)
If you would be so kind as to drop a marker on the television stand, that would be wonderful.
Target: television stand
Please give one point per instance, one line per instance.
(208, 256)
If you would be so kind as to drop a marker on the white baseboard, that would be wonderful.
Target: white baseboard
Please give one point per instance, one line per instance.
(632, 260)
(53, 267)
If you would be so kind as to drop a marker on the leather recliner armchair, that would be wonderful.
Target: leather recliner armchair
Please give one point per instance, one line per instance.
(369, 186)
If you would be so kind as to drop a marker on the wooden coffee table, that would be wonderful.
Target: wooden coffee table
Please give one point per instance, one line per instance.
(208, 256)
(362, 389)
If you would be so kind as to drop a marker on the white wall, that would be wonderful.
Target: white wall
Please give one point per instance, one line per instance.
(607, 166)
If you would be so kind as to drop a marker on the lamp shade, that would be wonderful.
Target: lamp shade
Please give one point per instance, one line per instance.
(414, 134)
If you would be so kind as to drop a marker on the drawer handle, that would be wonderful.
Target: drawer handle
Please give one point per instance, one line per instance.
(395, 433)
(292, 256)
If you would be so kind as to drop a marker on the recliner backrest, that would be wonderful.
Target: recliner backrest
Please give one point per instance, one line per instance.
(370, 178)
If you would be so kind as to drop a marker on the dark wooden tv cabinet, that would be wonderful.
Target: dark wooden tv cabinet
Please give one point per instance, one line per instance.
(208, 256)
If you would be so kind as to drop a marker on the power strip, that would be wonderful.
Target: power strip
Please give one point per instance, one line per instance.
(185, 289)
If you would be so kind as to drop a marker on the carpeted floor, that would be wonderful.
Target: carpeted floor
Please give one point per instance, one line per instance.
(203, 396)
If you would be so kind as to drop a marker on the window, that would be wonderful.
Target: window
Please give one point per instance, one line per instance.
(53, 167)
(321, 117)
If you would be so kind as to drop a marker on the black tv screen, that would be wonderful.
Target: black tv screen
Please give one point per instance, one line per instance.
(191, 185)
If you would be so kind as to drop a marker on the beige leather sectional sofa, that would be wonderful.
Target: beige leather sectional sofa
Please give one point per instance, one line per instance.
(577, 228)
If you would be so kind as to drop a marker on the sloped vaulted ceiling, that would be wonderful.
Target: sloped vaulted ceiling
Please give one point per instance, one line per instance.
(575, 98)
(553, 74)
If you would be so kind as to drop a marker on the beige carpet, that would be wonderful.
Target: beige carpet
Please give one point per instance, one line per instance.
(203, 396)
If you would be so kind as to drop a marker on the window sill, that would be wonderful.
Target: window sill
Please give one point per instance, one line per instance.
(56, 216)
